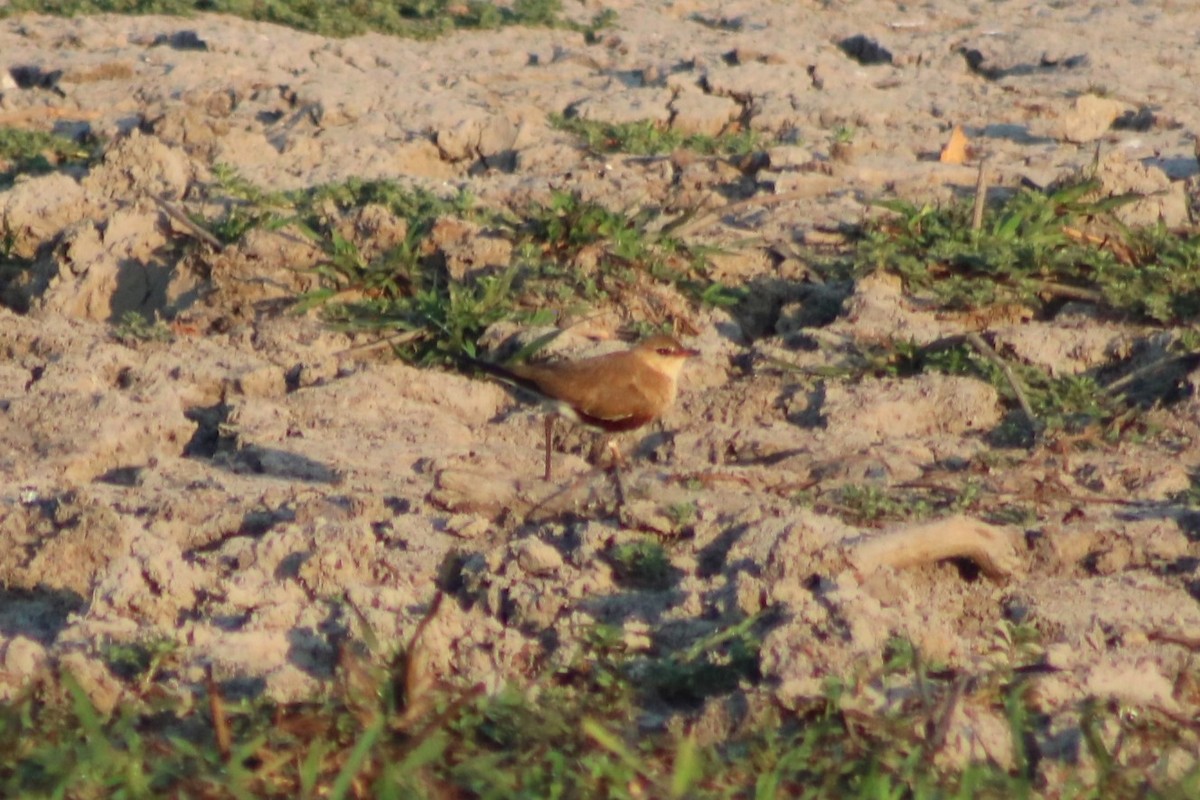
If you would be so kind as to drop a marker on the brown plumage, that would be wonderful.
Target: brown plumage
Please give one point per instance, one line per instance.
(614, 392)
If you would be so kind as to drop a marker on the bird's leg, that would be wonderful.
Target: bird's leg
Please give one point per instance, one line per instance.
(614, 469)
(620, 489)
(618, 458)
(549, 442)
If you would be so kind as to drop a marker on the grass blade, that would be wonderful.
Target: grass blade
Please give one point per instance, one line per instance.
(356, 760)
(310, 768)
(612, 743)
(688, 767)
(85, 712)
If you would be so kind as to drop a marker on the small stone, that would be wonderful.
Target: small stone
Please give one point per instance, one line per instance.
(789, 156)
(266, 381)
(627, 106)
(467, 526)
(537, 557)
(705, 114)
(647, 515)
(24, 657)
(459, 141)
(1159, 198)
(468, 249)
(1089, 119)
(497, 136)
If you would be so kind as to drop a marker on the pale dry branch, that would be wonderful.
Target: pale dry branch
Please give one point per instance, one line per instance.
(990, 547)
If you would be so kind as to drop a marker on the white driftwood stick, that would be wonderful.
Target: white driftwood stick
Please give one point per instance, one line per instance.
(992, 548)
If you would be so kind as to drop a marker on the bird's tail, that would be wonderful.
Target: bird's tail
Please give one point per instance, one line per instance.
(506, 375)
(500, 373)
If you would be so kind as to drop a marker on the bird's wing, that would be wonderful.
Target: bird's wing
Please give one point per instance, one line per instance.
(615, 392)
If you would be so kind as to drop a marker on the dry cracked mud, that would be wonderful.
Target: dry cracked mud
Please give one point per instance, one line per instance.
(217, 490)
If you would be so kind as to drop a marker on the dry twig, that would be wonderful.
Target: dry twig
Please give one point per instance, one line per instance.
(220, 723)
(990, 547)
(691, 226)
(937, 739)
(173, 211)
(989, 352)
(398, 338)
(980, 197)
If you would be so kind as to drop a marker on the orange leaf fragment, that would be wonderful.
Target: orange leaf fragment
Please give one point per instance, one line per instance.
(955, 151)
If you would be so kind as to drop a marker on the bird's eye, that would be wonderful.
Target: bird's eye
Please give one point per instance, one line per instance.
(665, 351)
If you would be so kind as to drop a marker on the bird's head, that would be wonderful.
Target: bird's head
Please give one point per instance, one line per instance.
(665, 354)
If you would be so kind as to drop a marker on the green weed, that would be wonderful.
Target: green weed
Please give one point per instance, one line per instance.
(142, 661)
(133, 327)
(1059, 404)
(582, 732)
(642, 564)
(247, 206)
(684, 514)
(24, 152)
(842, 134)
(1066, 403)
(647, 138)
(1033, 251)
(417, 19)
(714, 665)
(406, 290)
(623, 248)
(875, 505)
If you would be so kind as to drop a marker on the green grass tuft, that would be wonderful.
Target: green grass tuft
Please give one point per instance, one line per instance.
(1035, 251)
(133, 327)
(643, 564)
(582, 730)
(568, 256)
(417, 19)
(647, 137)
(25, 152)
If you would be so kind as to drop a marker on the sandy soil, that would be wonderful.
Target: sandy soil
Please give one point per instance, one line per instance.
(216, 491)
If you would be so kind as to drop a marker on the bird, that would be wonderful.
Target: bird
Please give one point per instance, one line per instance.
(614, 392)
